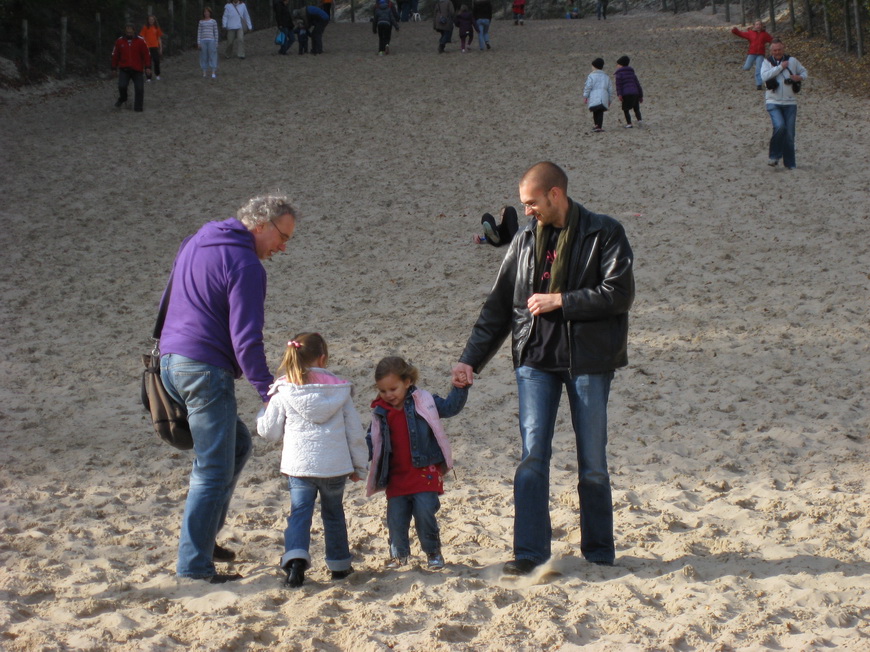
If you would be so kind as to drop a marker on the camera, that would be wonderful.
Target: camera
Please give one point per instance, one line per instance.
(788, 82)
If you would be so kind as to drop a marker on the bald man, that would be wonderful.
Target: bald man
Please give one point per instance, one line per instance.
(562, 293)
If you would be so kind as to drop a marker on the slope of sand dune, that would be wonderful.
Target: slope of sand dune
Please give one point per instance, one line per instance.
(739, 431)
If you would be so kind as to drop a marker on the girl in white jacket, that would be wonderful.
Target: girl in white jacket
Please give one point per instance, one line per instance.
(598, 93)
(324, 444)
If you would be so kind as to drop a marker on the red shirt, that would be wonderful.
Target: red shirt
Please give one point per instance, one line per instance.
(404, 478)
(132, 53)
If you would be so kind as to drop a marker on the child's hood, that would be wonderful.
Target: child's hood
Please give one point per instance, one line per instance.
(316, 403)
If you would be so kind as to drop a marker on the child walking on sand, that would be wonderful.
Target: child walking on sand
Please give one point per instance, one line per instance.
(410, 453)
(153, 36)
(324, 444)
(465, 22)
(628, 90)
(597, 93)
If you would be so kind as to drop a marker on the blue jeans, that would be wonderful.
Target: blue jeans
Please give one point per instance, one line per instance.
(297, 536)
(539, 394)
(782, 117)
(423, 507)
(208, 57)
(482, 32)
(221, 444)
(755, 60)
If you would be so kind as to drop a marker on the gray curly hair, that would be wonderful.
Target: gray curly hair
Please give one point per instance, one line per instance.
(259, 210)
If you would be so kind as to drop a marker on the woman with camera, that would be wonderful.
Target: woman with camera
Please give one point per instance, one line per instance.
(782, 75)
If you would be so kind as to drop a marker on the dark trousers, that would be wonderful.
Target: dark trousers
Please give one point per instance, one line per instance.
(598, 117)
(316, 32)
(125, 75)
(385, 33)
(631, 103)
(155, 61)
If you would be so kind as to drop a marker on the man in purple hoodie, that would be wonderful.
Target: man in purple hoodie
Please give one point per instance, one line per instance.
(212, 335)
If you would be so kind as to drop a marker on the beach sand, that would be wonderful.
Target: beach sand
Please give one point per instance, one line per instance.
(738, 432)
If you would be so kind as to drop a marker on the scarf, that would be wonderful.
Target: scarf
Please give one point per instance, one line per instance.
(559, 271)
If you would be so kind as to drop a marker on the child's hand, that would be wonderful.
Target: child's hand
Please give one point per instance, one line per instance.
(354, 477)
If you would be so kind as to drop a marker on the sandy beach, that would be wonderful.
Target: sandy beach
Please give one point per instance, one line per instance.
(738, 432)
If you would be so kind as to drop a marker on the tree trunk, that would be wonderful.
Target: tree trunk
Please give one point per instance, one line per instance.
(772, 16)
(859, 27)
(829, 36)
(791, 14)
(847, 37)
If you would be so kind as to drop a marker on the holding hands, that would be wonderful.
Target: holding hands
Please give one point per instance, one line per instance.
(463, 375)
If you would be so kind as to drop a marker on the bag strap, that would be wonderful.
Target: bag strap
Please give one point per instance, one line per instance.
(164, 302)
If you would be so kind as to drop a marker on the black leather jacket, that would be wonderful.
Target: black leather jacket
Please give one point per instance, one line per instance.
(599, 292)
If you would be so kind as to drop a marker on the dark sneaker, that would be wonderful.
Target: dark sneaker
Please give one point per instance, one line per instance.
(519, 567)
(340, 575)
(222, 554)
(295, 570)
(223, 578)
(119, 104)
(601, 562)
(435, 561)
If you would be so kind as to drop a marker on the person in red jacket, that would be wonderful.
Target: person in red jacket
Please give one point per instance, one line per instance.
(758, 39)
(130, 58)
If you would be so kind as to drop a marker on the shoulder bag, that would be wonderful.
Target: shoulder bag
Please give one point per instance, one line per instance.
(168, 416)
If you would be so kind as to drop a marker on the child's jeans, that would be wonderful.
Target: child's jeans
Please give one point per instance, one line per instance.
(422, 507)
(297, 536)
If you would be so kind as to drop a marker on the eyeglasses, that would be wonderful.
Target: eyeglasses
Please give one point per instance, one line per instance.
(284, 236)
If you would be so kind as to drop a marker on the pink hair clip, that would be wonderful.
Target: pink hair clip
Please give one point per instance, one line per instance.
(294, 344)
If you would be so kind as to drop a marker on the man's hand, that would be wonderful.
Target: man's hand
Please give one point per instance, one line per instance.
(541, 303)
(463, 375)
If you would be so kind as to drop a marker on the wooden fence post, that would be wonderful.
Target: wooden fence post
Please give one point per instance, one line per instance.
(99, 43)
(63, 46)
(171, 26)
(25, 47)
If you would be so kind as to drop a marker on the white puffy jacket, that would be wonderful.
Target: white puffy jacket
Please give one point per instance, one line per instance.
(322, 431)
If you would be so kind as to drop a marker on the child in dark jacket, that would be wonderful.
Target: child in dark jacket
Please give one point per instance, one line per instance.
(465, 22)
(302, 35)
(409, 455)
(628, 90)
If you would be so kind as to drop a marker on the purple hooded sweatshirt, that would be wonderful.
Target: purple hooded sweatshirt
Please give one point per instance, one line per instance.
(216, 309)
